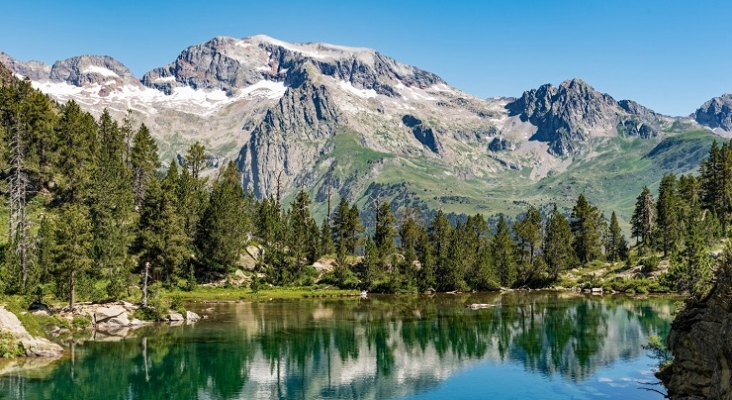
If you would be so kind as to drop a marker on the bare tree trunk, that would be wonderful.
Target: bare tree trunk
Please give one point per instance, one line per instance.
(72, 290)
(144, 284)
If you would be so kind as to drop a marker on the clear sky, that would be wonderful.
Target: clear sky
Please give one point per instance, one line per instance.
(669, 55)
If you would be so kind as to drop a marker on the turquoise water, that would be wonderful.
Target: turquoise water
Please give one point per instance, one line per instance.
(528, 345)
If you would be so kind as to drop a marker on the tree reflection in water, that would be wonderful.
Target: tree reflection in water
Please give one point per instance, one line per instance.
(382, 347)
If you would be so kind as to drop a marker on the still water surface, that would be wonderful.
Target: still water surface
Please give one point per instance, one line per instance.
(527, 346)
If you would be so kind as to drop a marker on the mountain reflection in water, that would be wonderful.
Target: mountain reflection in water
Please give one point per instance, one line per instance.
(383, 347)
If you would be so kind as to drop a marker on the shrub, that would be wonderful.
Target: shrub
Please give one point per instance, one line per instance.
(10, 347)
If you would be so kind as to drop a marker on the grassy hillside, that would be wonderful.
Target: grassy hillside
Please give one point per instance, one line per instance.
(610, 176)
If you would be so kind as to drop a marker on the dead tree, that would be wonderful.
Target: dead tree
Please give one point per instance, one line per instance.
(17, 195)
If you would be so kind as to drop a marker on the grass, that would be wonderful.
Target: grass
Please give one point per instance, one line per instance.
(233, 294)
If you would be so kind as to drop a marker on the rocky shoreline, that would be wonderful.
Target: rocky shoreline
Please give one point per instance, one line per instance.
(701, 343)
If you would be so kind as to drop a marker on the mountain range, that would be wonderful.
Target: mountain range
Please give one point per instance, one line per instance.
(322, 116)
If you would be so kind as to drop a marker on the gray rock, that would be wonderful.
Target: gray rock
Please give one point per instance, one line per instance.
(570, 114)
(34, 346)
(120, 320)
(716, 113)
(191, 316)
(700, 343)
(290, 139)
(103, 314)
(174, 317)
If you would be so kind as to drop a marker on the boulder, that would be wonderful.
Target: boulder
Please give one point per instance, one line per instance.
(120, 320)
(34, 346)
(174, 317)
(191, 316)
(102, 314)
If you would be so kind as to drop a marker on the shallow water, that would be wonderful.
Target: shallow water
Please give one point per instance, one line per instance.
(527, 345)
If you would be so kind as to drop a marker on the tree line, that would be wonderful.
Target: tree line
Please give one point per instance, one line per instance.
(92, 214)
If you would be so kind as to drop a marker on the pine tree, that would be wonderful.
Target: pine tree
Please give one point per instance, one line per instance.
(615, 247)
(370, 265)
(585, 224)
(77, 132)
(558, 252)
(384, 233)
(668, 221)
(643, 221)
(224, 225)
(195, 159)
(326, 238)
(144, 161)
(529, 234)
(300, 223)
(440, 233)
(73, 237)
(111, 204)
(503, 253)
(161, 240)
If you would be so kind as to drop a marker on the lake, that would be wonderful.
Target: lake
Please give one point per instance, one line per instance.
(556, 345)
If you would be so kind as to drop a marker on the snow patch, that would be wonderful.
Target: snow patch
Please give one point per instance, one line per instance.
(93, 69)
(163, 79)
(362, 93)
(185, 99)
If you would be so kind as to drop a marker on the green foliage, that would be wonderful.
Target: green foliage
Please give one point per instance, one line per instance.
(658, 351)
(10, 347)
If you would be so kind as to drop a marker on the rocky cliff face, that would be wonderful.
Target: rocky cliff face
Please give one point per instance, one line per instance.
(701, 343)
(34, 70)
(716, 113)
(290, 139)
(570, 114)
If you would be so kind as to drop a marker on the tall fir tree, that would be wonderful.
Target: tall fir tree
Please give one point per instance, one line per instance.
(503, 251)
(585, 225)
(558, 251)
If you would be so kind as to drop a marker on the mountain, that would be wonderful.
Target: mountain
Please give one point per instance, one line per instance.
(570, 114)
(716, 114)
(322, 116)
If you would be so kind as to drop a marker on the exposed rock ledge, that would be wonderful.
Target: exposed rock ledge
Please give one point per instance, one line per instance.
(701, 343)
(34, 346)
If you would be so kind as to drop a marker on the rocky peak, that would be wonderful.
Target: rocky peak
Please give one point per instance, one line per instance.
(572, 113)
(716, 113)
(230, 64)
(91, 70)
(34, 70)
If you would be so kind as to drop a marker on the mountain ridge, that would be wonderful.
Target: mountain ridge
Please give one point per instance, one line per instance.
(286, 110)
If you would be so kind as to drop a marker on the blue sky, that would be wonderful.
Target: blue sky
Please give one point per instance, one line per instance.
(669, 55)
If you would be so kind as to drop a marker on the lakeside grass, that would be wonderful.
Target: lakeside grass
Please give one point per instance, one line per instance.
(202, 294)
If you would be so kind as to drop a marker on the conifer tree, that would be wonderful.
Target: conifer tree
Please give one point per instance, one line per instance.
(616, 245)
(585, 225)
(370, 265)
(326, 238)
(77, 132)
(558, 252)
(384, 233)
(144, 161)
(503, 253)
(440, 233)
(161, 240)
(224, 225)
(643, 221)
(529, 234)
(111, 204)
(668, 221)
(195, 159)
(73, 237)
